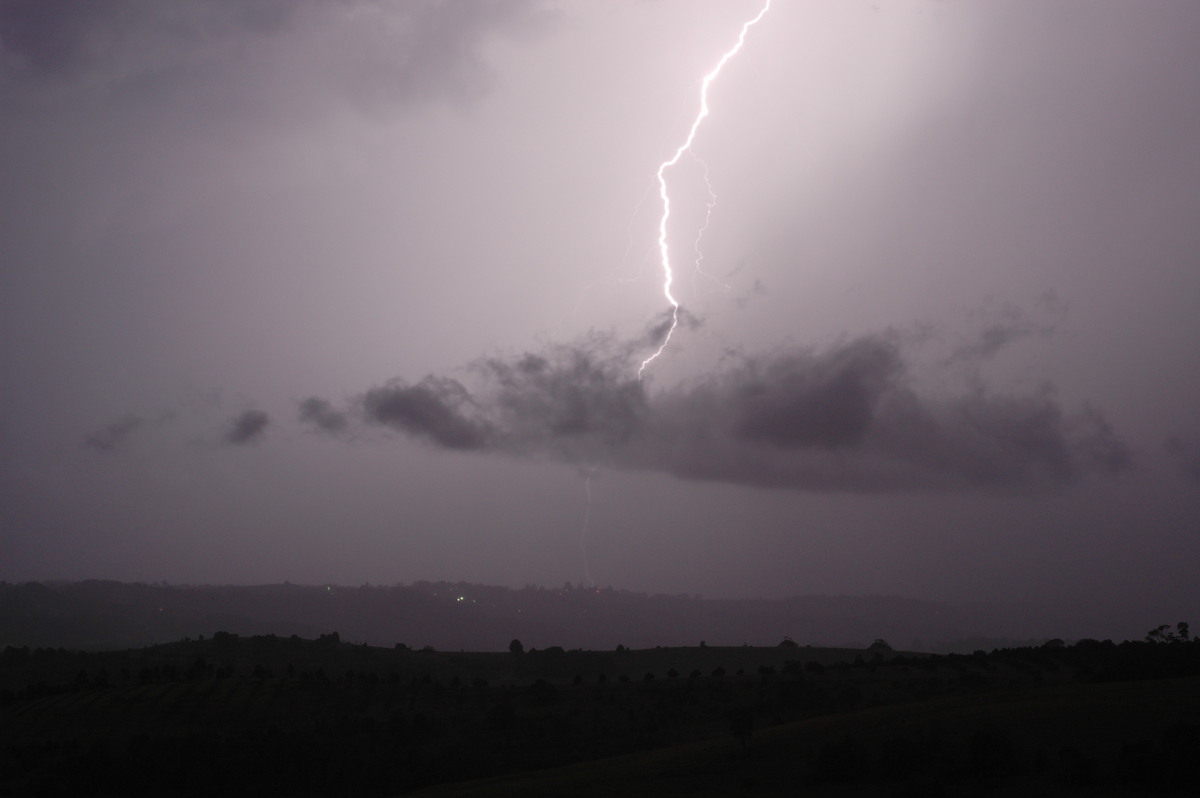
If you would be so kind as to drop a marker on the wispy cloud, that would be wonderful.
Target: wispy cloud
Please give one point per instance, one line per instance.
(322, 416)
(115, 435)
(247, 427)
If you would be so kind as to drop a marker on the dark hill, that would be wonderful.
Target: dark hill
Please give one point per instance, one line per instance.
(102, 614)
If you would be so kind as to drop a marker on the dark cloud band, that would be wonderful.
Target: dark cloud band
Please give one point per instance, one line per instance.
(842, 419)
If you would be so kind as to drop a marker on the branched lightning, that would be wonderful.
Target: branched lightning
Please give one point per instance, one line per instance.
(663, 248)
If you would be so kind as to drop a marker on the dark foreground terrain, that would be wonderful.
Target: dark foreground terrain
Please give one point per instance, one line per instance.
(266, 715)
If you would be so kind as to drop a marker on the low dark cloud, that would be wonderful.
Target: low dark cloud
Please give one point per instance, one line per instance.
(848, 419)
(248, 427)
(990, 341)
(1185, 450)
(573, 400)
(114, 435)
(799, 402)
(1097, 443)
(67, 37)
(370, 51)
(437, 408)
(321, 415)
(842, 419)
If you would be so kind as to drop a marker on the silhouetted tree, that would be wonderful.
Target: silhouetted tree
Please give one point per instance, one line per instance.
(516, 648)
(1163, 634)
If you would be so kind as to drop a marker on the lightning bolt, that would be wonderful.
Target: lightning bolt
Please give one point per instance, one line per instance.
(587, 518)
(663, 249)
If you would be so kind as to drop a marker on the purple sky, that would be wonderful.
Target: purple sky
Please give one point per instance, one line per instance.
(357, 291)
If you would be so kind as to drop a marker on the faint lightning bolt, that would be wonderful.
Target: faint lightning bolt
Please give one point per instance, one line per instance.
(587, 517)
(629, 241)
(708, 209)
(663, 249)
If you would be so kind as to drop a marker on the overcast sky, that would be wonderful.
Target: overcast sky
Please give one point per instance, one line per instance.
(358, 291)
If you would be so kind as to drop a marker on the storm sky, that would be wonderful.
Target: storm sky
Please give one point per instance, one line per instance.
(358, 291)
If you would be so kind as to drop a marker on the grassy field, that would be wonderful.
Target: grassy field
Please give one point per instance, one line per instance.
(1063, 740)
